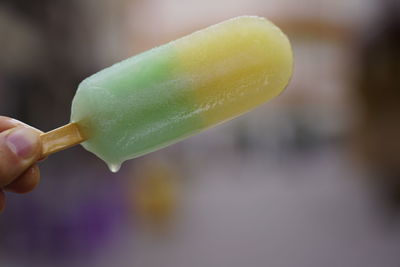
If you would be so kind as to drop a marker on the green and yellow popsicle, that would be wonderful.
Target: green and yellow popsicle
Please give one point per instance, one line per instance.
(161, 96)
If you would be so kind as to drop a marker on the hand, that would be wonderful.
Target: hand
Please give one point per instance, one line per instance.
(20, 149)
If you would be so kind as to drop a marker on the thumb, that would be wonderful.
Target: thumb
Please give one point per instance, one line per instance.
(20, 147)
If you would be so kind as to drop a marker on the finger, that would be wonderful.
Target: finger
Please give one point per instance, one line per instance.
(26, 182)
(20, 147)
(8, 123)
(2, 200)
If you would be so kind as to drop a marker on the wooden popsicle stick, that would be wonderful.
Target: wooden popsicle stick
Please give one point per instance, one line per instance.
(61, 138)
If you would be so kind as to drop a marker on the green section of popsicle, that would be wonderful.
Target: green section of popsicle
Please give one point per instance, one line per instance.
(134, 106)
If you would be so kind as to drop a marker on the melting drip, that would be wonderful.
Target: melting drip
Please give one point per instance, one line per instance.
(114, 167)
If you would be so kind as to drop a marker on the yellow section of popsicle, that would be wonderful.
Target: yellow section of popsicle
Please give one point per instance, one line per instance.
(235, 66)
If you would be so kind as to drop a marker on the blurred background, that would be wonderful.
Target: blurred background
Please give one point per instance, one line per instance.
(310, 179)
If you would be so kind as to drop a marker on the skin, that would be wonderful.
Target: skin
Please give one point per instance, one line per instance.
(18, 174)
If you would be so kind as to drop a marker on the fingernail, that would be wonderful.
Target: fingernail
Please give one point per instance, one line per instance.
(22, 142)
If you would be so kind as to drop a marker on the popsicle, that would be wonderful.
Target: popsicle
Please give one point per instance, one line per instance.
(176, 90)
